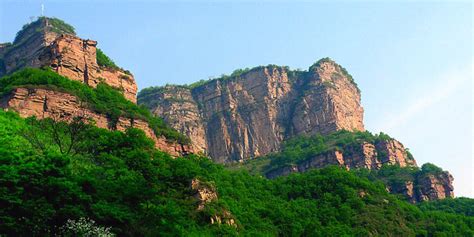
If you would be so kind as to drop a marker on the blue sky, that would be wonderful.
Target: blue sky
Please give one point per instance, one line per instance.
(412, 60)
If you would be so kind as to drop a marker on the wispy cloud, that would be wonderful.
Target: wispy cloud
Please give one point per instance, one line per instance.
(445, 86)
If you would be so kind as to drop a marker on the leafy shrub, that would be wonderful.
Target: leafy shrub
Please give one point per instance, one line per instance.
(85, 227)
(431, 168)
(59, 26)
(461, 205)
(104, 61)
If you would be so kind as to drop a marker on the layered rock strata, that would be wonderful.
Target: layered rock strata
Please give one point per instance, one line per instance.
(419, 187)
(365, 155)
(39, 45)
(250, 114)
(43, 103)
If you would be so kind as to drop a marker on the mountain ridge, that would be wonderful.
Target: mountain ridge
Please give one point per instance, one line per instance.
(237, 107)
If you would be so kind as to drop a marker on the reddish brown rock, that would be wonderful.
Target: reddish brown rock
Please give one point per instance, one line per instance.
(62, 106)
(67, 54)
(363, 155)
(417, 186)
(250, 115)
(393, 152)
(435, 186)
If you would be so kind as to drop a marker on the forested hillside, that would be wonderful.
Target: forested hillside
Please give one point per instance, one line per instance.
(52, 172)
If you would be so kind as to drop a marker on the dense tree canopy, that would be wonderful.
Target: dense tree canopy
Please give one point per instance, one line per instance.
(51, 175)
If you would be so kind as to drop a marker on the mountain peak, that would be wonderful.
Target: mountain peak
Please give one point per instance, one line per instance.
(44, 24)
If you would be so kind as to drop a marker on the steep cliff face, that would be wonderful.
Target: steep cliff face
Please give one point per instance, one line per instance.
(435, 186)
(61, 106)
(425, 187)
(177, 107)
(41, 44)
(28, 47)
(250, 114)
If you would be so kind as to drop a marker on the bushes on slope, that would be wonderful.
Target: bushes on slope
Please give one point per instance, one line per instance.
(104, 99)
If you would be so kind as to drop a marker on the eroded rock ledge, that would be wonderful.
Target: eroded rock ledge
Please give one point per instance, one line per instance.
(43, 103)
(417, 187)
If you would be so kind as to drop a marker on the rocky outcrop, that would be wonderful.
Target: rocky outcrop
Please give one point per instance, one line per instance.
(414, 184)
(39, 45)
(425, 187)
(205, 194)
(364, 155)
(43, 103)
(28, 47)
(394, 153)
(182, 113)
(250, 114)
(434, 186)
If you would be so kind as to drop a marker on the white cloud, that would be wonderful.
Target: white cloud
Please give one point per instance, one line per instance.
(445, 86)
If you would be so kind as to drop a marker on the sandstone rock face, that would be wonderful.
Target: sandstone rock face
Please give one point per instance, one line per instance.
(28, 48)
(393, 152)
(67, 54)
(205, 194)
(182, 113)
(435, 186)
(365, 155)
(64, 107)
(251, 114)
(419, 187)
(426, 187)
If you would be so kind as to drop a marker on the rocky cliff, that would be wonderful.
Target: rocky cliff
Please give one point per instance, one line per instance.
(45, 43)
(402, 176)
(49, 42)
(250, 113)
(368, 155)
(43, 103)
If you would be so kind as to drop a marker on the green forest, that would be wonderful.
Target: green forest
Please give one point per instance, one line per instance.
(54, 173)
(71, 178)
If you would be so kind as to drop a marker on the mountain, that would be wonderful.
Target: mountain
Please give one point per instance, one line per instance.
(253, 112)
(78, 156)
(250, 113)
(51, 43)
(383, 157)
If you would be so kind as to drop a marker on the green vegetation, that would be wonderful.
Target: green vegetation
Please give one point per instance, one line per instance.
(56, 25)
(115, 182)
(461, 205)
(301, 148)
(104, 61)
(103, 99)
(238, 73)
(59, 26)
